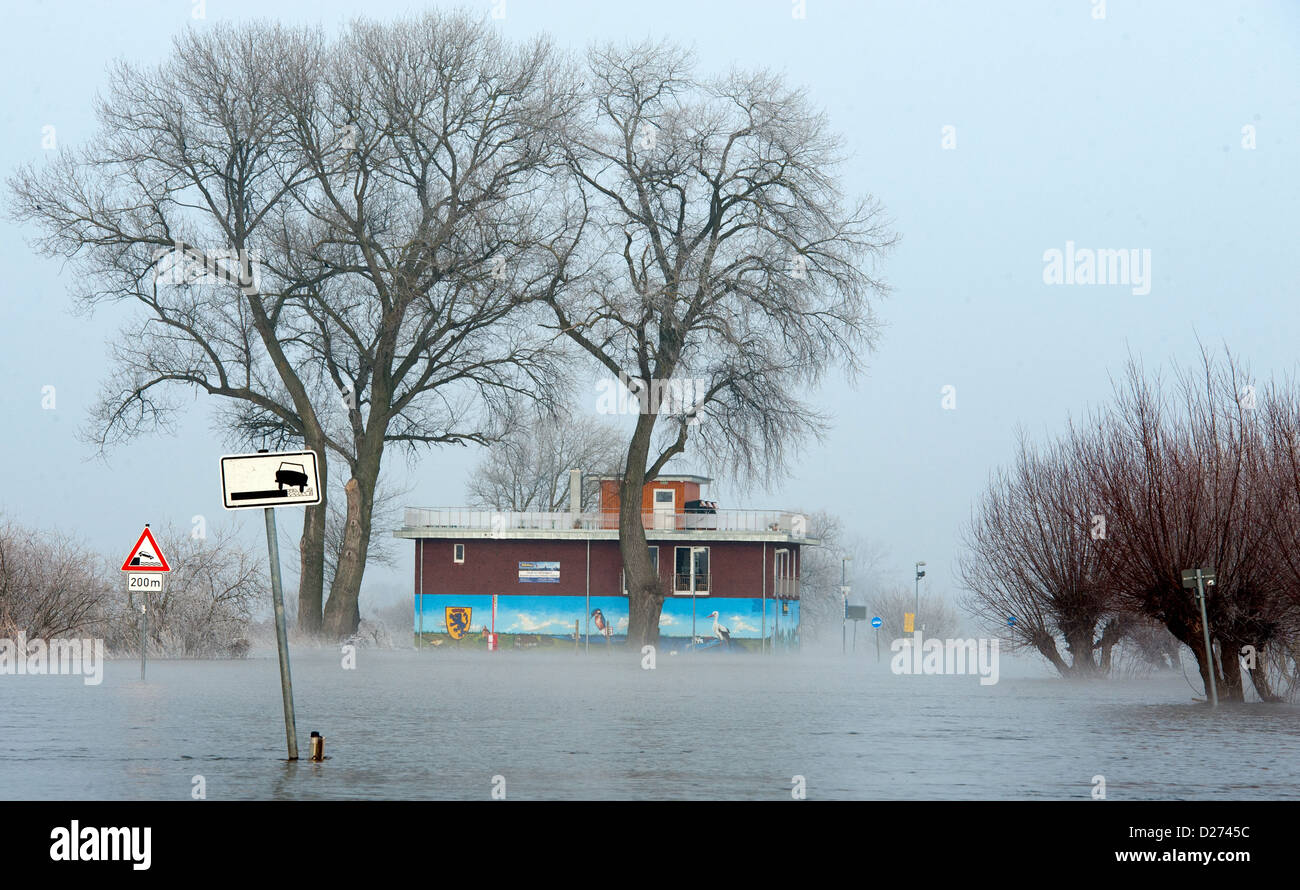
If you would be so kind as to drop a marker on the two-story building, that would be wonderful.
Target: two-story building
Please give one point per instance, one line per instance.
(561, 574)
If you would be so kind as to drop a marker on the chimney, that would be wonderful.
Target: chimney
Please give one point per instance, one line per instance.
(575, 491)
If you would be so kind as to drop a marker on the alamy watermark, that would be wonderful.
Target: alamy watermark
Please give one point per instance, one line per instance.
(674, 396)
(917, 655)
(184, 263)
(65, 657)
(1084, 265)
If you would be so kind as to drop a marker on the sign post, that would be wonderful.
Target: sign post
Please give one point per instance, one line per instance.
(145, 566)
(1202, 577)
(876, 622)
(267, 480)
(844, 599)
(856, 614)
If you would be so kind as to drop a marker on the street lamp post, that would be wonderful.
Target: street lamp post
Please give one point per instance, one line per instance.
(844, 601)
(916, 609)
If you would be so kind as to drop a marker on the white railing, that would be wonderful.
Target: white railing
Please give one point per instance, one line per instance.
(775, 521)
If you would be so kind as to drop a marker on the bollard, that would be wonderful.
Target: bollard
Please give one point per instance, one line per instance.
(317, 747)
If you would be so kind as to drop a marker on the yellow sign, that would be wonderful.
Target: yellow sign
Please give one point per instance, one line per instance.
(909, 622)
(457, 621)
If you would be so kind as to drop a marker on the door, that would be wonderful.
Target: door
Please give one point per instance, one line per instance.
(665, 508)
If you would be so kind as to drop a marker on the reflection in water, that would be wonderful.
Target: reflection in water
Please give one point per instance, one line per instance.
(442, 725)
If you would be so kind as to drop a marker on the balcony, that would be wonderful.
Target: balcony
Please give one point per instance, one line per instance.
(465, 518)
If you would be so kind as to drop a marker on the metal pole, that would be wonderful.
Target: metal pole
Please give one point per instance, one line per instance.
(586, 645)
(419, 640)
(1209, 651)
(281, 635)
(144, 632)
(877, 645)
(844, 601)
(762, 635)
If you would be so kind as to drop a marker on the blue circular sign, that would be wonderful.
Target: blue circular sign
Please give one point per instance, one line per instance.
(1011, 621)
(877, 621)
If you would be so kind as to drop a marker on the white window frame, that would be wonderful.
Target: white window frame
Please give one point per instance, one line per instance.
(693, 549)
(458, 548)
(782, 558)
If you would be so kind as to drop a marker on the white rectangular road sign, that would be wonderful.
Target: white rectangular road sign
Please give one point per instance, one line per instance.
(142, 582)
(270, 479)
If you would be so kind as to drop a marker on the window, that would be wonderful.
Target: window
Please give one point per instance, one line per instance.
(691, 572)
(458, 553)
(781, 574)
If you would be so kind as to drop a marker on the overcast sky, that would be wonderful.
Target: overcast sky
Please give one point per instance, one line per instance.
(1122, 132)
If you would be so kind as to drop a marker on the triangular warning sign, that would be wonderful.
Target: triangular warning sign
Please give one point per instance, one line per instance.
(146, 555)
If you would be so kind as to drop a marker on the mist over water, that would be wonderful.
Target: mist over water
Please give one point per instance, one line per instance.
(440, 725)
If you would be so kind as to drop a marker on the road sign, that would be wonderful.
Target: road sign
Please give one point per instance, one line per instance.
(857, 613)
(140, 582)
(877, 621)
(1207, 576)
(146, 555)
(270, 479)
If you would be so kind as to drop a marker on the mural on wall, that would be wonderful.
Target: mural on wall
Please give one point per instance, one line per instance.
(737, 618)
(457, 621)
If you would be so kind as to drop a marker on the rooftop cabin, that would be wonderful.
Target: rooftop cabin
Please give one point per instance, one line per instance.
(668, 504)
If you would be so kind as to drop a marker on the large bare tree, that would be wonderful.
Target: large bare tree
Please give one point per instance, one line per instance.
(192, 171)
(430, 233)
(377, 209)
(718, 257)
(1032, 566)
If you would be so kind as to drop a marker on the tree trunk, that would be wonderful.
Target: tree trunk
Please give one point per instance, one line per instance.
(343, 610)
(1045, 643)
(1078, 642)
(1230, 671)
(645, 595)
(1259, 679)
(1112, 632)
(311, 550)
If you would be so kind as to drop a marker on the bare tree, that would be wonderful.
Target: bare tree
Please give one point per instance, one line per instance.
(717, 258)
(384, 200)
(50, 584)
(1032, 566)
(430, 235)
(529, 469)
(192, 172)
(1173, 477)
(1184, 482)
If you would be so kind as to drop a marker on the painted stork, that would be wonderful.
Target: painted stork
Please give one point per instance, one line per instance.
(720, 632)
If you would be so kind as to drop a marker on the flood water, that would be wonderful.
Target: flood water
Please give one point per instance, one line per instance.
(441, 725)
